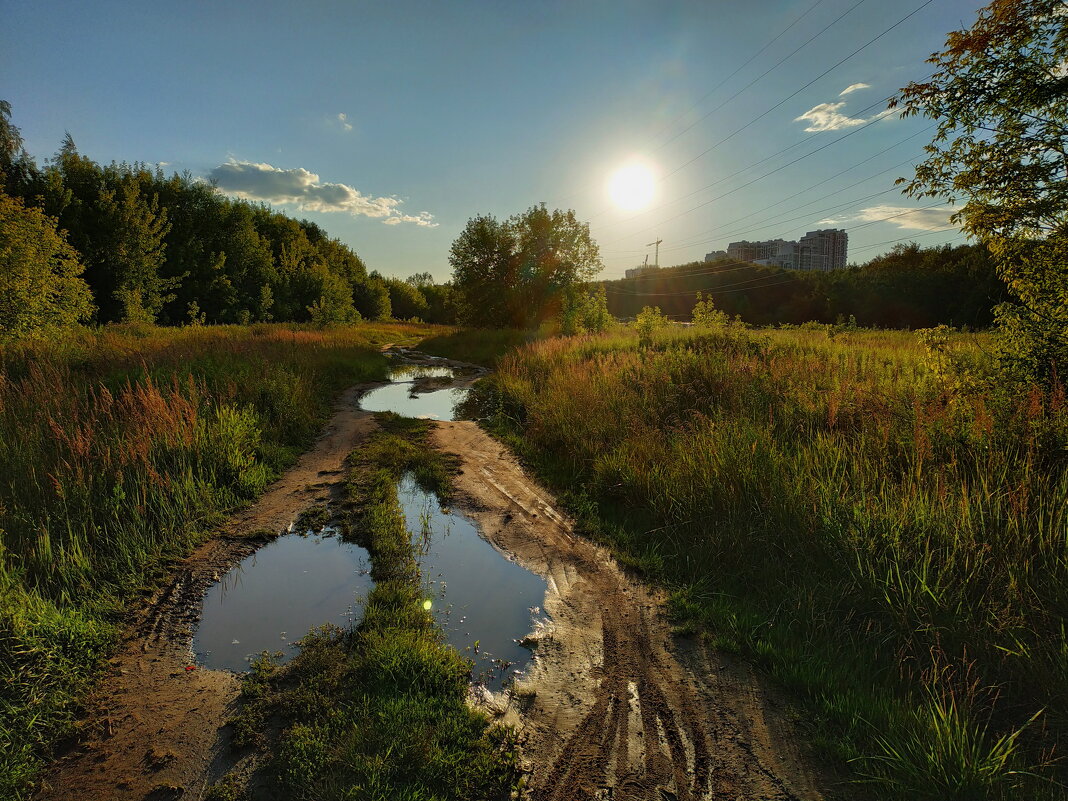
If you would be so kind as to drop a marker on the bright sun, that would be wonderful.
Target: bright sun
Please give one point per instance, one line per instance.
(631, 187)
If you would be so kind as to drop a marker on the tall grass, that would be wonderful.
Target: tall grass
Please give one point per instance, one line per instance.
(889, 537)
(120, 448)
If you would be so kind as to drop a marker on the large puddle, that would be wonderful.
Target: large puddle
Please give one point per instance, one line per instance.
(483, 601)
(278, 594)
(411, 393)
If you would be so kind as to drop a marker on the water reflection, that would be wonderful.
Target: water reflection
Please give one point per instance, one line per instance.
(483, 601)
(276, 595)
(416, 391)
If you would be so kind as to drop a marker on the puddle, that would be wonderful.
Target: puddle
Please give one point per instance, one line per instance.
(399, 395)
(276, 595)
(478, 594)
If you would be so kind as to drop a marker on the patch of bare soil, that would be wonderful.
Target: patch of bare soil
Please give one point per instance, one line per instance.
(156, 729)
(614, 707)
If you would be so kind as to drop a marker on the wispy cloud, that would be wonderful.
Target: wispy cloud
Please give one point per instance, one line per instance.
(902, 216)
(252, 181)
(854, 87)
(344, 120)
(827, 117)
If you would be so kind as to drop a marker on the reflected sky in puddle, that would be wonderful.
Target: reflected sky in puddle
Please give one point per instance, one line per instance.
(276, 595)
(478, 594)
(397, 395)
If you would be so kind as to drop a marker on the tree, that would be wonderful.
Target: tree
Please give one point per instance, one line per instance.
(1000, 95)
(516, 273)
(405, 300)
(39, 284)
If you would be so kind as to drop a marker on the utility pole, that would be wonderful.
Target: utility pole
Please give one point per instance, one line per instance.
(657, 244)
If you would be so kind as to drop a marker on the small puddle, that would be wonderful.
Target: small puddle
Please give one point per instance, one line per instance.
(276, 595)
(407, 394)
(482, 600)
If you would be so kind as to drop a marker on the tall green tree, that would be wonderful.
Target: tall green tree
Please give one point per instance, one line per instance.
(40, 287)
(999, 93)
(516, 273)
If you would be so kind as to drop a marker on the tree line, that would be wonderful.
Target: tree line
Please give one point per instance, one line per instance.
(82, 242)
(909, 287)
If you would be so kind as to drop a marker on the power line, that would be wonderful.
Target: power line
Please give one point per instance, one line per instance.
(775, 66)
(798, 91)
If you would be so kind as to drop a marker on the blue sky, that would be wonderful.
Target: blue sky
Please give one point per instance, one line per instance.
(391, 124)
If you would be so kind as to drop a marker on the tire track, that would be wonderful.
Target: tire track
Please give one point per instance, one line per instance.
(609, 708)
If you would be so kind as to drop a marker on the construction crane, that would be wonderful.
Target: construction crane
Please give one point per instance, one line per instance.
(656, 262)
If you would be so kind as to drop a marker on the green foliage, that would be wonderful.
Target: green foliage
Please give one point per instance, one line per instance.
(909, 287)
(585, 310)
(998, 94)
(706, 315)
(40, 287)
(514, 274)
(406, 300)
(649, 321)
(153, 246)
(871, 518)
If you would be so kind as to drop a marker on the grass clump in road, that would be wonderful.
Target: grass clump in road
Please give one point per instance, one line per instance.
(379, 711)
(120, 448)
(869, 515)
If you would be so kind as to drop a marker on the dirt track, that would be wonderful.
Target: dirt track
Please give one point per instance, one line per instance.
(155, 730)
(613, 707)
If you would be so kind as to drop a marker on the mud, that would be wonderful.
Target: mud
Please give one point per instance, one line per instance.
(614, 707)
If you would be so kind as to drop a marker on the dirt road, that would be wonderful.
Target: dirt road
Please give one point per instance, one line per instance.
(613, 707)
(155, 729)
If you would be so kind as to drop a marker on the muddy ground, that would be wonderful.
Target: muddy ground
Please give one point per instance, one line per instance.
(613, 707)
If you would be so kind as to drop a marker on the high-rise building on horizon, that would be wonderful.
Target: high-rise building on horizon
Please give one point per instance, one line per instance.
(823, 249)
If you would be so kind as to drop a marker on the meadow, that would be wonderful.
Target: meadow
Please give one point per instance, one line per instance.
(121, 448)
(872, 516)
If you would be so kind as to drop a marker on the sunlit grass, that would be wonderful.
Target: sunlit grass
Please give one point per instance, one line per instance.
(865, 522)
(120, 448)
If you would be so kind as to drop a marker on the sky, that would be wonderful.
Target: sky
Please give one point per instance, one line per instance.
(390, 125)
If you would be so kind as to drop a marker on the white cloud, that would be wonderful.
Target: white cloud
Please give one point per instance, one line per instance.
(854, 87)
(252, 181)
(827, 117)
(902, 216)
(344, 120)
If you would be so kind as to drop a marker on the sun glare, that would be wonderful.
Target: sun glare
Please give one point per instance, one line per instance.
(631, 187)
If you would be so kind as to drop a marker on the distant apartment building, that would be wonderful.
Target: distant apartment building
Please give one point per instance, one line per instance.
(634, 272)
(716, 255)
(818, 250)
(825, 249)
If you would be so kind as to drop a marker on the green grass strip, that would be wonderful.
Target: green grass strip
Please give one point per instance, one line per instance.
(379, 712)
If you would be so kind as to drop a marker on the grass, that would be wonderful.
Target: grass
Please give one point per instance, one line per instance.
(121, 448)
(379, 711)
(478, 346)
(867, 515)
